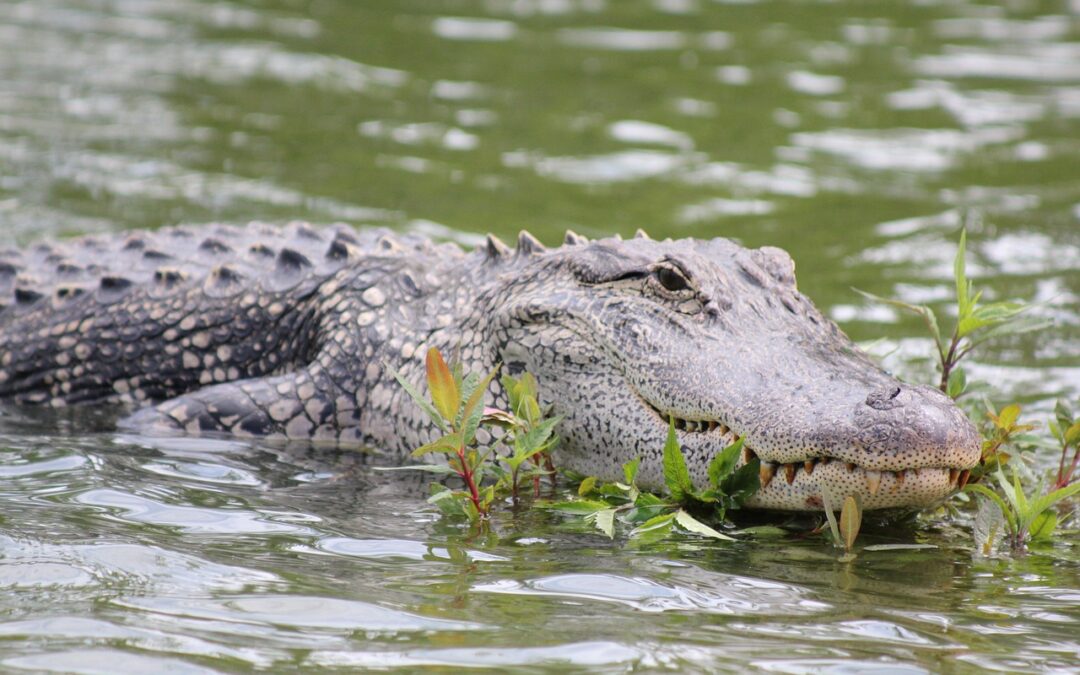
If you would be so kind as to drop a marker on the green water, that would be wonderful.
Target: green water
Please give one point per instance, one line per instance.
(856, 135)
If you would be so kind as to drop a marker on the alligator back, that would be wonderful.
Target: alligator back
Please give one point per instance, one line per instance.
(151, 315)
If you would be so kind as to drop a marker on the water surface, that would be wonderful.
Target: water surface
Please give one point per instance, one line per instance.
(859, 137)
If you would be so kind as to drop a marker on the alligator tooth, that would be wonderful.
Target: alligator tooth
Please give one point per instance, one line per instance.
(724, 430)
(808, 466)
(915, 471)
(964, 476)
(691, 425)
(747, 454)
(850, 467)
(680, 424)
(713, 425)
(953, 473)
(824, 460)
(789, 473)
(766, 473)
(900, 476)
(873, 481)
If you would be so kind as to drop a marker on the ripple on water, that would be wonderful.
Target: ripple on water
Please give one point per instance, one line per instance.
(296, 612)
(194, 519)
(204, 472)
(120, 565)
(905, 149)
(474, 29)
(616, 167)
(62, 631)
(44, 467)
(104, 662)
(640, 593)
(396, 549)
(581, 654)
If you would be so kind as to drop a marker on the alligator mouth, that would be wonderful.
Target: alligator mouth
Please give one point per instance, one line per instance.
(876, 480)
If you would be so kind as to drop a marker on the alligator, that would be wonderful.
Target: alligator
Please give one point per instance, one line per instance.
(295, 331)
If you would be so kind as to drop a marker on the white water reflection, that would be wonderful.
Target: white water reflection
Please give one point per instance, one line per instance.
(915, 150)
(724, 596)
(1050, 62)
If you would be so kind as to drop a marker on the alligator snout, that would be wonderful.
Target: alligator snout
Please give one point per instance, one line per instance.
(913, 426)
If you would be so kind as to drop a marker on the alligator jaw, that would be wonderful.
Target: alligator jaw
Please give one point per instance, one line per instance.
(800, 485)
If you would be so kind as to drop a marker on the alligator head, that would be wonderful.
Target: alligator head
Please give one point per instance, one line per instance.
(625, 335)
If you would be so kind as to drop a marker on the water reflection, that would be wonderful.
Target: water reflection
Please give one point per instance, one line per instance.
(858, 137)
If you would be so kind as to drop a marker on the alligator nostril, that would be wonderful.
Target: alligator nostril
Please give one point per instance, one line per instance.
(883, 399)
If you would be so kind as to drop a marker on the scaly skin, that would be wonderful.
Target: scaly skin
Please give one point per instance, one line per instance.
(294, 332)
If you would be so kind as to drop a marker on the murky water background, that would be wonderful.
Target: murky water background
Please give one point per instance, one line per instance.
(858, 136)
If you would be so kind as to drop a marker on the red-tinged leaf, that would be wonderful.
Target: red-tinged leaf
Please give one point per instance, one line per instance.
(444, 390)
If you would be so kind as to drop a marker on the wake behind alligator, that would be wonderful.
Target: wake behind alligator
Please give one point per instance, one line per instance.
(296, 331)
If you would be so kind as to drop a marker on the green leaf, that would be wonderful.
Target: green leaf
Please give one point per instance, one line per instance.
(441, 469)
(648, 500)
(764, 531)
(724, 462)
(743, 483)
(1073, 434)
(586, 486)
(529, 386)
(900, 547)
(987, 527)
(957, 383)
(530, 409)
(1008, 416)
(448, 502)
(850, 521)
(604, 521)
(447, 444)
(830, 516)
(1016, 325)
(1010, 516)
(1043, 526)
(1063, 413)
(580, 506)
(1046, 501)
(534, 441)
(473, 411)
(927, 314)
(676, 475)
(441, 384)
(691, 524)
(428, 409)
(963, 286)
(630, 470)
(932, 323)
(657, 526)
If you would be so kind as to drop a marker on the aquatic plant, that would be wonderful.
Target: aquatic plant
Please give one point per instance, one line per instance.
(1026, 517)
(651, 516)
(456, 408)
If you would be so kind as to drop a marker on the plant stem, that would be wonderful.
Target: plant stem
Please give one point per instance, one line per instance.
(467, 475)
(948, 362)
(1065, 477)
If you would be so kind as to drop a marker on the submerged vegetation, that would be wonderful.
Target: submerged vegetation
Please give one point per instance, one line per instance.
(523, 436)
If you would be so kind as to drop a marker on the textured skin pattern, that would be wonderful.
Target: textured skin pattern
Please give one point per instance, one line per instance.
(293, 332)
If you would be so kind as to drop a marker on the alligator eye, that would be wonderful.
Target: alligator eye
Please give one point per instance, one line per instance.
(671, 279)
